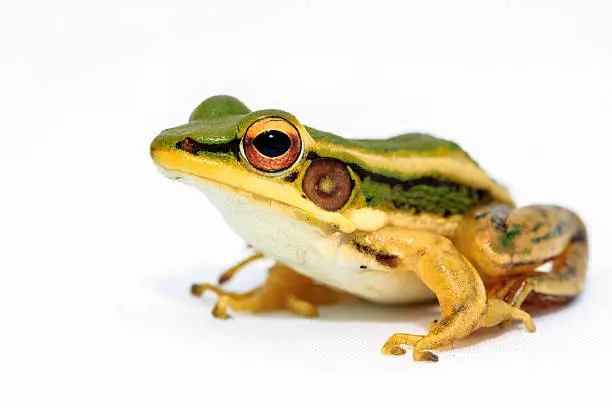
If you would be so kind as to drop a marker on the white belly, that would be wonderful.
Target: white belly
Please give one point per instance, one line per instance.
(284, 237)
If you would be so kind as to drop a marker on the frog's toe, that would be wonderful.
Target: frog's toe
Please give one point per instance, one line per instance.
(248, 301)
(427, 356)
(220, 310)
(518, 314)
(503, 314)
(397, 351)
(392, 350)
(197, 290)
(393, 346)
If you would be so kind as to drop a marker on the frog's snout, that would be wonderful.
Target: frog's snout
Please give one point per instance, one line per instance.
(164, 145)
(162, 142)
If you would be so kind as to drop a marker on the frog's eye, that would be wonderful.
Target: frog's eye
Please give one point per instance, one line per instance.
(328, 184)
(272, 144)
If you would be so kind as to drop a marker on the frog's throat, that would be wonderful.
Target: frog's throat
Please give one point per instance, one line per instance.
(231, 174)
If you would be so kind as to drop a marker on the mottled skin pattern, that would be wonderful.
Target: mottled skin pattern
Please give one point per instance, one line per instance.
(411, 203)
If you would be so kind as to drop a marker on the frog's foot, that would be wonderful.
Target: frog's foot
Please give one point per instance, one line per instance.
(497, 312)
(283, 289)
(237, 301)
(393, 347)
(442, 334)
(500, 312)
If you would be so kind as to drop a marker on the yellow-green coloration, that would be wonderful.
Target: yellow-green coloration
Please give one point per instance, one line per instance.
(395, 220)
(409, 144)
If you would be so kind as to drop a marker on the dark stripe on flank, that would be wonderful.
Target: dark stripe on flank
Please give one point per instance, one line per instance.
(194, 147)
(421, 194)
(430, 181)
(382, 257)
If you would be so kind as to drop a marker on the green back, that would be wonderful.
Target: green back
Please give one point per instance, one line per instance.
(408, 144)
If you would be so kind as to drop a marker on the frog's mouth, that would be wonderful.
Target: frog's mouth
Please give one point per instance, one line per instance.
(231, 174)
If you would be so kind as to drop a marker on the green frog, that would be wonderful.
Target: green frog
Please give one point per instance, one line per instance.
(401, 220)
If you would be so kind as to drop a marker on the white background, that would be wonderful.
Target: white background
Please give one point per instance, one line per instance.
(97, 250)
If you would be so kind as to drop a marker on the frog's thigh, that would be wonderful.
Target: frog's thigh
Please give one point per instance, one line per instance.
(502, 241)
(456, 284)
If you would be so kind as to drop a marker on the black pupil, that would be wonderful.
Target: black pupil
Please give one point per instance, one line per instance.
(272, 143)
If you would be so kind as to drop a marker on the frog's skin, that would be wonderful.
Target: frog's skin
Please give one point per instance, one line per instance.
(400, 220)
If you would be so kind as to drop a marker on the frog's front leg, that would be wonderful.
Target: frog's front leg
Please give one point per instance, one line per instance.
(231, 272)
(455, 282)
(283, 289)
(511, 243)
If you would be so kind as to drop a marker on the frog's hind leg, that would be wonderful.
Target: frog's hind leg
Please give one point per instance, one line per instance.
(512, 243)
(283, 289)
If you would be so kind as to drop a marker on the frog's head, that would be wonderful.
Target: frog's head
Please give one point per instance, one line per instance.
(265, 155)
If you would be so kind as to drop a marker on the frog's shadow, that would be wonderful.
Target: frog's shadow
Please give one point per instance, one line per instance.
(363, 311)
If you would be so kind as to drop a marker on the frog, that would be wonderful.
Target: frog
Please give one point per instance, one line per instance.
(403, 220)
